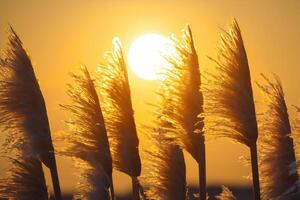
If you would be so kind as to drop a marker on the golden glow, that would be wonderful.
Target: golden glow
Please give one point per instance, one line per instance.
(89, 34)
(145, 57)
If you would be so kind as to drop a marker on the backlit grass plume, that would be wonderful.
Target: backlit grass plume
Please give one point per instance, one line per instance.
(182, 80)
(94, 182)
(23, 114)
(118, 114)
(276, 152)
(229, 109)
(87, 140)
(226, 194)
(24, 180)
(165, 166)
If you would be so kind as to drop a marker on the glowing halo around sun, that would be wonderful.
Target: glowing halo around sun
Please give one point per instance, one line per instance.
(145, 58)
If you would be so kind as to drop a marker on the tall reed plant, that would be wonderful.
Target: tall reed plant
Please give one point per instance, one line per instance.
(182, 80)
(87, 141)
(229, 109)
(23, 114)
(276, 152)
(118, 115)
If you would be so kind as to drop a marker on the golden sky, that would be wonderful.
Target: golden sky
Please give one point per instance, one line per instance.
(62, 34)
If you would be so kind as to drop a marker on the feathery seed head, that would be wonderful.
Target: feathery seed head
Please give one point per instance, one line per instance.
(24, 180)
(23, 114)
(229, 109)
(87, 141)
(94, 183)
(22, 108)
(165, 168)
(164, 161)
(277, 154)
(182, 85)
(118, 112)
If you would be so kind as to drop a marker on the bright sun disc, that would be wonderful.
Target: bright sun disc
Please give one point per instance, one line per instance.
(145, 56)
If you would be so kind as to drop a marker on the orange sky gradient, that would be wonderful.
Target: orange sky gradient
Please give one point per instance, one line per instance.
(61, 35)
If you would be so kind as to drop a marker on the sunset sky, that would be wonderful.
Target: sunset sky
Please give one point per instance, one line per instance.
(60, 35)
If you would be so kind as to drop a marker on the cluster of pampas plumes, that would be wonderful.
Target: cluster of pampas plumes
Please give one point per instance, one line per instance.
(87, 140)
(182, 80)
(118, 114)
(24, 180)
(104, 135)
(276, 148)
(229, 109)
(23, 114)
(226, 194)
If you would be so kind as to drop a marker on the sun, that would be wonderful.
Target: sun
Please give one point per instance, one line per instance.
(145, 58)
